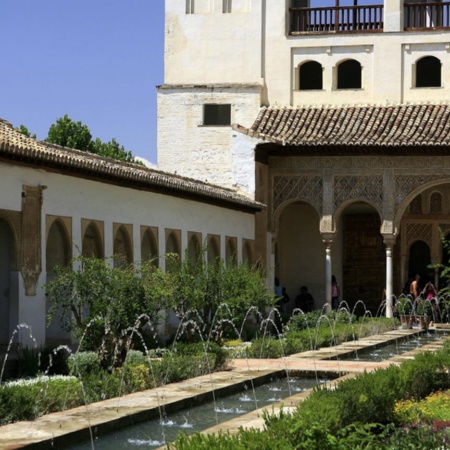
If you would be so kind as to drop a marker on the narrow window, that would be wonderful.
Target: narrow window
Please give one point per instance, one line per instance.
(349, 75)
(216, 114)
(189, 6)
(436, 203)
(226, 8)
(428, 72)
(310, 76)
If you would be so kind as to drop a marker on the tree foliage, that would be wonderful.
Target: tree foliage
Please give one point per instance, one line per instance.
(25, 131)
(71, 134)
(106, 307)
(67, 133)
(213, 297)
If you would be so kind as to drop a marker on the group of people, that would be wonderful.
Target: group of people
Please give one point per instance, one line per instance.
(304, 299)
(413, 290)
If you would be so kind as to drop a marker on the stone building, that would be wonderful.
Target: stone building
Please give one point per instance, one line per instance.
(57, 203)
(335, 115)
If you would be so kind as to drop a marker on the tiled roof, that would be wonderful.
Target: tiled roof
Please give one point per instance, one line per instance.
(396, 125)
(16, 146)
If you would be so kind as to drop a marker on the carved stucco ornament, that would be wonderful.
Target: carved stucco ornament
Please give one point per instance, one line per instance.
(31, 237)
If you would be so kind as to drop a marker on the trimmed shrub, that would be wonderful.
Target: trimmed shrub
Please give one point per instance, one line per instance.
(29, 399)
(84, 363)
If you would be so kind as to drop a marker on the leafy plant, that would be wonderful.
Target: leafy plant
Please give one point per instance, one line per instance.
(106, 307)
(424, 308)
(404, 306)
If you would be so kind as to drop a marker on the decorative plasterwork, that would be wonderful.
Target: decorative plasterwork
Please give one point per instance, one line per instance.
(349, 163)
(301, 187)
(31, 237)
(406, 184)
(416, 231)
(363, 187)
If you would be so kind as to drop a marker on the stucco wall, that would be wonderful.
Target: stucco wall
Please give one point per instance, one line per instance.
(210, 153)
(77, 199)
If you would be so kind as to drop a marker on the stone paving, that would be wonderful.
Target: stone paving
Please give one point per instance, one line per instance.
(59, 429)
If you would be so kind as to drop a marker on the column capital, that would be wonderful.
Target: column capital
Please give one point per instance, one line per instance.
(328, 238)
(389, 239)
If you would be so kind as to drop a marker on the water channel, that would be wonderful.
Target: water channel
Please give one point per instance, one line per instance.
(391, 349)
(155, 433)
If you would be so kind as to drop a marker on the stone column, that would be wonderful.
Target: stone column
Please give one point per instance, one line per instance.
(328, 241)
(389, 241)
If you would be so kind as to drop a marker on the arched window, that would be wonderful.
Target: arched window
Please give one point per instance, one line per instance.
(58, 254)
(310, 76)
(416, 205)
(436, 203)
(149, 247)
(194, 249)
(428, 72)
(7, 321)
(231, 251)
(92, 243)
(247, 253)
(172, 244)
(213, 250)
(122, 248)
(58, 247)
(349, 75)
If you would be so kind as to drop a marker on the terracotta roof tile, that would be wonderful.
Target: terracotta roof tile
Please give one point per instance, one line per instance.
(394, 125)
(16, 146)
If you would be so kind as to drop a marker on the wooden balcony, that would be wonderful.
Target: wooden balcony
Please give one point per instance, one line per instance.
(336, 19)
(427, 16)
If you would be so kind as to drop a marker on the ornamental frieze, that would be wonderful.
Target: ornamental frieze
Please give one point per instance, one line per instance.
(416, 231)
(361, 162)
(307, 188)
(363, 187)
(406, 184)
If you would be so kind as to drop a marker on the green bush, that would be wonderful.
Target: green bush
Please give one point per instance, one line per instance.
(29, 399)
(135, 358)
(84, 363)
(199, 348)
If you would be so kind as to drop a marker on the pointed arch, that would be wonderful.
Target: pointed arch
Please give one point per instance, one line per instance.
(58, 248)
(8, 295)
(231, 250)
(173, 242)
(149, 246)
(122, 248)
(248, 251)
(194, 248)
(213, 248)
(92, 244)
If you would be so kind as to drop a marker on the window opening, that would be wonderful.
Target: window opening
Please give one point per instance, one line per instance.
(226, 6)
(436, 203)
(216, 114)
(428, 72)
(310, 76)
(349, 75)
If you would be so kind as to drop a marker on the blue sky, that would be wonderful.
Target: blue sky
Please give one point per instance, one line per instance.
(98, 61)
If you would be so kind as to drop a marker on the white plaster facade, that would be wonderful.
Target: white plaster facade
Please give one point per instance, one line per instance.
(74, 200)
(215, 43)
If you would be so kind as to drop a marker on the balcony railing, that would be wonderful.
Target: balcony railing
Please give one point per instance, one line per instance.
(337, 19)
(420, 16)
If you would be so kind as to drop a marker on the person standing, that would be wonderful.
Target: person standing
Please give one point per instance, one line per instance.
(335, 293)
(414, 287)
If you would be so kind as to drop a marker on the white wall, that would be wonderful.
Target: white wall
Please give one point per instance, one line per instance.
(84, 199)
(208, 153)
